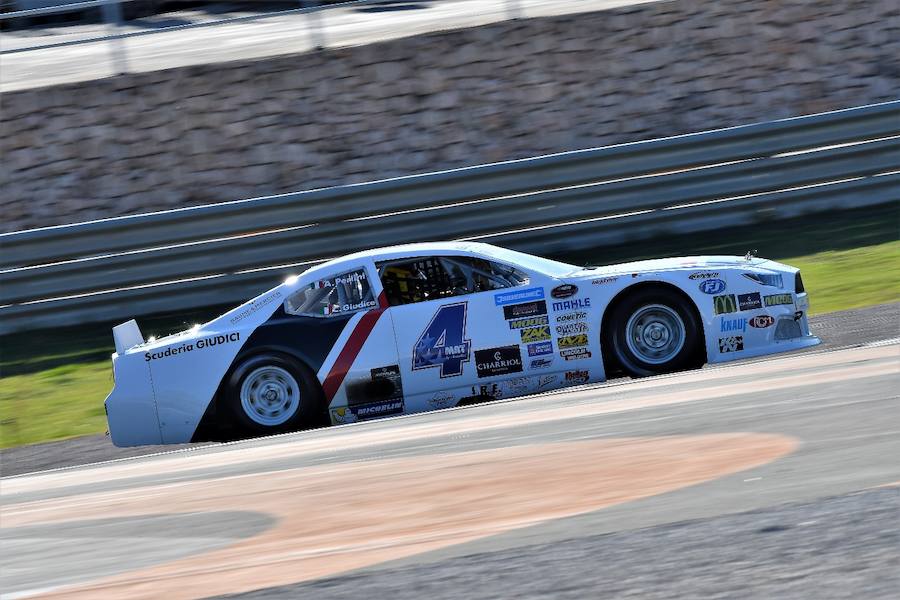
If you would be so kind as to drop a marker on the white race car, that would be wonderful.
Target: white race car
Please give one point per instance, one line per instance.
(428, 326)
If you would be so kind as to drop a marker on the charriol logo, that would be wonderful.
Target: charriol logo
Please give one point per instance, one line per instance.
(498, 361)
(749, 301)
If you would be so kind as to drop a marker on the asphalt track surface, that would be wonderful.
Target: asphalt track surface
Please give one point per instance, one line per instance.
(274, 35)
(626, 489)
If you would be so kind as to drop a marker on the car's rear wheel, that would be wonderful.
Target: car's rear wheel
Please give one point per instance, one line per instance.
(654, 331)
(274, 393)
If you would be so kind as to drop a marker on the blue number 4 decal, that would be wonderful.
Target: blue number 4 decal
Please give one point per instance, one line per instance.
(443, 342)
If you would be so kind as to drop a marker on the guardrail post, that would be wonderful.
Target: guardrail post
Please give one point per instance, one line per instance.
(112, 14)
(316, 29)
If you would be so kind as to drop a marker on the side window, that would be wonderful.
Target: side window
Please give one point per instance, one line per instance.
(344, 293)
(412, 280)
(485, 275)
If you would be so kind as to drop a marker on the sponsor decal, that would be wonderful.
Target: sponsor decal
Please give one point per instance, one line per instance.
(443, 343)
(391, 375)
(761, 321)
(343, 415)
(575, 353)
(712, 286)
(540, 363)
(535, 334)
(546, 381)
(517, 386)
(350, 277)
(255, 306)
(498, 361)
(490, 390)
(604, 280)
(337, 308)
(572, 304)
(731, 344)
(578, 315)
(207, 342)
(571, 341)
(724, 304)
(377, 409)
(361, 412)
(566, 290)
(703, 275)
(528, 322)
(749, 301)
(442, 400)
(728, 325)
(540, 349)
(577, 377)
(518, 296)
(526, 309)
(778, 299)
(570, 328)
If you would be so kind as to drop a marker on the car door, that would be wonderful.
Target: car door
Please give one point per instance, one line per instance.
(462, 331)
(360, 375)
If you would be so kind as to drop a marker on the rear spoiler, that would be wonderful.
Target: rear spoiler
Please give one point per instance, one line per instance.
(127, 335)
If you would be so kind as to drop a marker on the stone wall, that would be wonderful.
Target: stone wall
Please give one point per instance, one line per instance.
(198, 135)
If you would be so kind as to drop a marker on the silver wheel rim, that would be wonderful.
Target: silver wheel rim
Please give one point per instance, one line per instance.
(270, 396)
(655, 334)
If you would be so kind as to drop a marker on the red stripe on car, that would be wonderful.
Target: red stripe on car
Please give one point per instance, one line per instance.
(349, 353)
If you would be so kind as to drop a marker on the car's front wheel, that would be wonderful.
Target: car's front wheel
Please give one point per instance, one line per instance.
(274, 393)
(654, 331)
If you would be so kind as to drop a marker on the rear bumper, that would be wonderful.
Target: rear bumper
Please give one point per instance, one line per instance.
(131, 411)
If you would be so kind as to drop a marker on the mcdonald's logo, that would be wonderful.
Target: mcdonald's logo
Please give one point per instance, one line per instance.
(724, 304)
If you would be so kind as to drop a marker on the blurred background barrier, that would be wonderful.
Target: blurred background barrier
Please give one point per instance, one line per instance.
(744, 176)
(212, 114)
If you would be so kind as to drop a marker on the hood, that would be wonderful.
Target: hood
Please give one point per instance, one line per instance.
(672, 264)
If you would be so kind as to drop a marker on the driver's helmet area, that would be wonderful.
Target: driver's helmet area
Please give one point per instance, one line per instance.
(410, 280)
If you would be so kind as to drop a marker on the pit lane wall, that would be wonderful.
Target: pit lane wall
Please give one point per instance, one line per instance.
(200, 135)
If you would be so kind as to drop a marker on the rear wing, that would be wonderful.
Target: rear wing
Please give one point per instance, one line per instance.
(127, 335)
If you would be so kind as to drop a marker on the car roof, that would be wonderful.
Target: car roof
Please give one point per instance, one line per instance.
(481, 249)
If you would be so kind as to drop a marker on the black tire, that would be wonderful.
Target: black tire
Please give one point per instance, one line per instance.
(288, 376)
(653, 311)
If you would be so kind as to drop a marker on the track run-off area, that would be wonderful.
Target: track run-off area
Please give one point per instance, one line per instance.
(394, 505)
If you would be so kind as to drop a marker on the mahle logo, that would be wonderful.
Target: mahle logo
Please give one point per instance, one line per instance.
(724, 304)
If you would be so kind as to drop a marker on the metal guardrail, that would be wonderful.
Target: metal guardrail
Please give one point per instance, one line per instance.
(223, 253)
